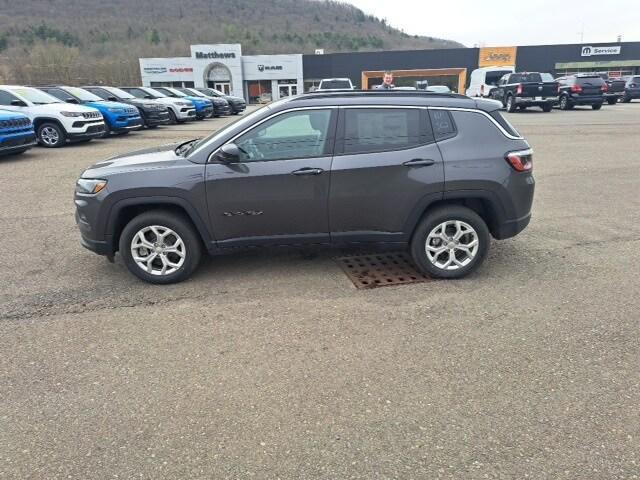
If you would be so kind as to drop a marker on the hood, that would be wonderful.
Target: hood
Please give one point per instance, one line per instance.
(231, 98)
(149, 158)
(9, 115)
(198, 100)
(63, 107)
(173, 101)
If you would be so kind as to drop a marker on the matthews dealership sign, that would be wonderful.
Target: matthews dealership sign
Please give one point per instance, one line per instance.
(588, 50)
(214, 55)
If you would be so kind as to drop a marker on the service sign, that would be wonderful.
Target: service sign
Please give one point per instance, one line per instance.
(588, 50)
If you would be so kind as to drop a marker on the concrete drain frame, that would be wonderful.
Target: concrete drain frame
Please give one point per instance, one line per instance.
(381, 269)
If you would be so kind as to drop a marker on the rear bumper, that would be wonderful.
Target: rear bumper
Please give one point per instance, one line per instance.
(586, 99)
(535, 101)
(511, 228)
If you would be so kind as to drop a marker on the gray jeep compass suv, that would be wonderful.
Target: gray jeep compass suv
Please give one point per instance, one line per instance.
(439, 174)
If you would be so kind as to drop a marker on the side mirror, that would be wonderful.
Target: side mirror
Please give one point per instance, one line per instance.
(18, 103)
(228, 153)
(72, 100)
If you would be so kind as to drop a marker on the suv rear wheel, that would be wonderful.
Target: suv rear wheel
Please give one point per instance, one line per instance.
(565, 104)
(450, 242)
(597, 106)
(160, 247)
(51, 135)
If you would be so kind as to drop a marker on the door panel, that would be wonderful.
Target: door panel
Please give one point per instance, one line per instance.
(373, 193)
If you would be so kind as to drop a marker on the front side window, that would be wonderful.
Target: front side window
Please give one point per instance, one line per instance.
(300, 134)
(62, 95)
(379, 130)
(6, 98)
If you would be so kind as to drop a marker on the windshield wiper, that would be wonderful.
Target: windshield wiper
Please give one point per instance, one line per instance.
(184, 148)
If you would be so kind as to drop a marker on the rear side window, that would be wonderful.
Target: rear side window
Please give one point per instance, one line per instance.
(442, 124)
(379, 130)
(504, 123)
(493, 77)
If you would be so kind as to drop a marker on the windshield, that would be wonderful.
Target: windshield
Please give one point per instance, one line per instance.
(154, 92)
(172, 92)
(335, 84)
(212, 92)
(82, 94)
(119, 93)
(35, 96)
(193, 92)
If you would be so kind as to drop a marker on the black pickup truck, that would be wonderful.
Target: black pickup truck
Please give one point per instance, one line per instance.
(526, 89)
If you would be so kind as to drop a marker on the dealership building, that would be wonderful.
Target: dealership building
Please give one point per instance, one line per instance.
(261, 78)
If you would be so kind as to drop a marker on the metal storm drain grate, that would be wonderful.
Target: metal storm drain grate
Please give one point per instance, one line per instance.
(379, 270)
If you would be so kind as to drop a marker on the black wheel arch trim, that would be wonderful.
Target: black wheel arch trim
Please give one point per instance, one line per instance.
(201, 227)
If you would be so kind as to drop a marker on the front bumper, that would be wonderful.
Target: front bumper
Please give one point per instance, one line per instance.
(222, 110)
(10, 143)
(93, 131)
(156, 118)
(204, 112)
(238, 107)
(536, 100)
(186, 113)
(125, 124)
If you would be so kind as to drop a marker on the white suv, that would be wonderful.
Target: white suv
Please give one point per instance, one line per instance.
(180, 109)
(54, 121)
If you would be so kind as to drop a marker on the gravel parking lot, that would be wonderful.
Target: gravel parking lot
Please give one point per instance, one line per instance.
(271, 364)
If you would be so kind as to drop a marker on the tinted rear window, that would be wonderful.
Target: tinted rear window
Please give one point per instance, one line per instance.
(589, 81)
(525, 77)
(504, 123)
(377, 130)
(337, 84)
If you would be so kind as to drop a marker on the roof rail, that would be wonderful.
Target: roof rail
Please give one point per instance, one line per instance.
(372, 93)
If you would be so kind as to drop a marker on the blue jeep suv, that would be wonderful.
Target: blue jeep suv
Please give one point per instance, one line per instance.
(118, 117)
(16, 133)
(204, 107)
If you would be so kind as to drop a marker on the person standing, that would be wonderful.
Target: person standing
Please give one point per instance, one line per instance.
(387, 81)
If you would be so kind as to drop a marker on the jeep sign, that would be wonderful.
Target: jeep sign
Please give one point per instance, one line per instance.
(588, 50)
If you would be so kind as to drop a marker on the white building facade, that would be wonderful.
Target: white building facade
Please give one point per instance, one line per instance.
(257, 78)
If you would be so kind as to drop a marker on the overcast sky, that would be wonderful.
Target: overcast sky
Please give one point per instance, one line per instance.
(512, 22)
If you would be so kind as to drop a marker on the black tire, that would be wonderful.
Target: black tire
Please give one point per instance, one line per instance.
(46, 138)
(625, 99)
(565, 103)
(181, 226)
(437, 217)
(172, 117)
(547, 107)
(510, 104)
(612, 101)
(597, 106)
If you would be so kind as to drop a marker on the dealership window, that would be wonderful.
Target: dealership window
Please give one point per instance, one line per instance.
(377, 130)
(259, 91)
(300, 134)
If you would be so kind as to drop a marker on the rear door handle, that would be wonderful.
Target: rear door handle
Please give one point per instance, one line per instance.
(308, 171)
(419, 162)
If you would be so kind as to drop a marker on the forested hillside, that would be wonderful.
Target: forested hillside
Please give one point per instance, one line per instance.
(78, 41)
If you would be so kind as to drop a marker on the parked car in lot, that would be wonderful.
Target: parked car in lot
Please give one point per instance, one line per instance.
(54, 121)
(582, 89)
(180, 110)
(16, 133)
(153, 113)
(484, 80)
(438, 173)
(329, 84)
(237, 104)
(615, 88)
(204, 107)
(631, 88)
(119, 118)
(526, 89)
(220, 105)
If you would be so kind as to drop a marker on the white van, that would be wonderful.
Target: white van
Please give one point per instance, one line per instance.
(485, 79)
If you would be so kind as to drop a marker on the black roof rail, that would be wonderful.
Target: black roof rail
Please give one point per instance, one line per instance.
(373, 93)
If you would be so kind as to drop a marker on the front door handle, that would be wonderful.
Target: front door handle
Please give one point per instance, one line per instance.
(308, 171)
(419, 162)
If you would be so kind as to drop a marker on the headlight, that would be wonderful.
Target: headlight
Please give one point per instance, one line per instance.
(72, 114)
(185, 104)
(90, 185)
(116, 110)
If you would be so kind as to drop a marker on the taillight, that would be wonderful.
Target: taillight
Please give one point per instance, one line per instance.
(521, 161)
(604, 87)
(519, 89)
(576, 89)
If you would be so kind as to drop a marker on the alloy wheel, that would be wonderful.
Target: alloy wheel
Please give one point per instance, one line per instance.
(158, 250)
(49, 136)
(452, 245)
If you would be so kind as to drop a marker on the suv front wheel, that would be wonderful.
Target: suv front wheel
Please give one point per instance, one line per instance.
(51, 135)
(450, 242)
(160, 247)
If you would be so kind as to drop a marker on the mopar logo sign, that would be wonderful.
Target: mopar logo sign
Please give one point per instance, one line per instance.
(588, 50)
(155, 70)
(215, 55)
(262, 68)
